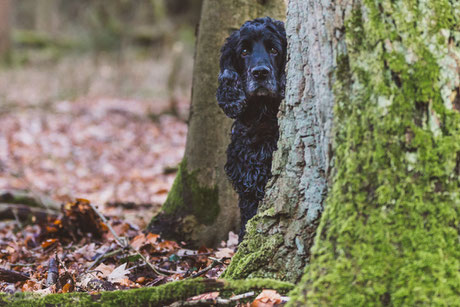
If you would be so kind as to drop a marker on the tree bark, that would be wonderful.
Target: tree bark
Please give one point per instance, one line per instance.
(389, 234)
(202, 207)
(5, 15)
(280, 236)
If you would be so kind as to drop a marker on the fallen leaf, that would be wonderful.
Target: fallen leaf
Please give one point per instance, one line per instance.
(267, 298)
(205, 296)
(49, 242)
(232, 240)
(118, 274)
(104, 270)
(138, 241)
(224, 253)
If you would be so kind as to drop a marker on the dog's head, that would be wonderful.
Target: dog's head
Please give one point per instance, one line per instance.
(253, 60)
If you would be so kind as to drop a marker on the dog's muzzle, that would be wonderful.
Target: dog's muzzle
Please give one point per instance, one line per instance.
(261, 82)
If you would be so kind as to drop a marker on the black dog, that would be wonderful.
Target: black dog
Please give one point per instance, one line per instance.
(251, 87)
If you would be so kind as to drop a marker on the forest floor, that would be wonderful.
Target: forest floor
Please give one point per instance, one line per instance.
(102, 131)
(93, 141)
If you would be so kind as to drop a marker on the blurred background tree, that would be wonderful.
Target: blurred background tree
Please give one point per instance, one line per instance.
(101, 36)
(135, 57)
(4, 26)
(102, 24)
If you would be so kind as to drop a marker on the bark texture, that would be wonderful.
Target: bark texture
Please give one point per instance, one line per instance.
(389, 234)
(5, 13)
(202, 206)
(280, 236)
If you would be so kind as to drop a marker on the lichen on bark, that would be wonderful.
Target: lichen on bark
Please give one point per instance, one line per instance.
(389, 233)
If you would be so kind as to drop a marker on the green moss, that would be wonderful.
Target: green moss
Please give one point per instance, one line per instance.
(189, 197)
(254, 254)
(153, 296)
(389, 233)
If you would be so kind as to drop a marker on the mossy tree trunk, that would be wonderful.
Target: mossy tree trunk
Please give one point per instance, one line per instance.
(5, 15)
(202, 207)
(280, 236)
(389, 232)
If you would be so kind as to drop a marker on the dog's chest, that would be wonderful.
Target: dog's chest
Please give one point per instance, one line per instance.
(254, 136)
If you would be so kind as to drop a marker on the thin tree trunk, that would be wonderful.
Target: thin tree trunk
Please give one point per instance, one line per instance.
(5, 16)
(202, 206)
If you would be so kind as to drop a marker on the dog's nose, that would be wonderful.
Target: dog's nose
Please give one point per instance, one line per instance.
(260, 72)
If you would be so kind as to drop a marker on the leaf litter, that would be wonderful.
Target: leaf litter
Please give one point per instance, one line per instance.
(109, 151)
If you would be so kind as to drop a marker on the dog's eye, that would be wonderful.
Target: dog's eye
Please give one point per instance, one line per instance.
(273, 51)
(244, 52)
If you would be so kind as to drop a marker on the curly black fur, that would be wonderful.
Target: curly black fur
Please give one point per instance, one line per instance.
(251, 87)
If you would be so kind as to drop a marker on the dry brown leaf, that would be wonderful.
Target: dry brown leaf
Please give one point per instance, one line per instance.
(205, 296)
(104, 270)
(138, 241)
(267, 298)
(30, 286)
(224, 253)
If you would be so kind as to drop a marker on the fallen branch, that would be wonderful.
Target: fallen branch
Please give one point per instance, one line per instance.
(205, 270)
(29, 199)
(12, 276)
(53, 272)
(24, 213)
(124, 243)
(163, 295)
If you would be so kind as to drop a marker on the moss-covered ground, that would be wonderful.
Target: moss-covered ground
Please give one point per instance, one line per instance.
(389, 235)
(154, 296)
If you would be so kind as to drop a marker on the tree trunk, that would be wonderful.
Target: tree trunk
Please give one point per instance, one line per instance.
(5, 15)
(46, 16)
(389, 233)
(280, 236)
(202, 207)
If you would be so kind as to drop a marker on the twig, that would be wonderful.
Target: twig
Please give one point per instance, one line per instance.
(169, 272)
(16, 217)
(205, 270)
(107, 254)
(124, 243)
(152, 266)
(61, 263)
(214, 301)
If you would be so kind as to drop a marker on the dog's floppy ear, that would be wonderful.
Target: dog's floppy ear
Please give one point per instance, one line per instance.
(281, 34)
(230, 94)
